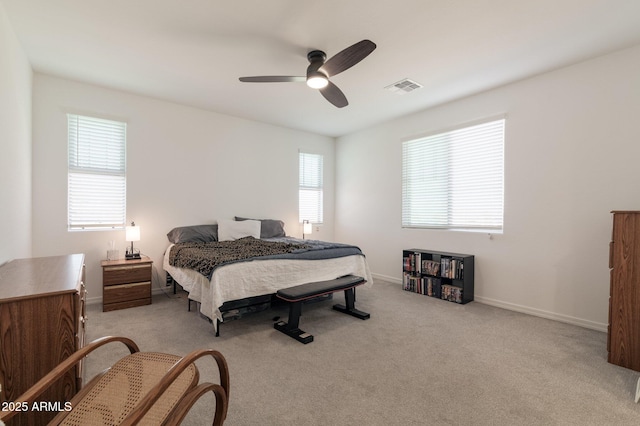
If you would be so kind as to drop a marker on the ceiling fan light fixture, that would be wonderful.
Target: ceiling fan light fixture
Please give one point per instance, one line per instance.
(317, 80)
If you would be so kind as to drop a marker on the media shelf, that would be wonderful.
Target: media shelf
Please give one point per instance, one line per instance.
(447, 276)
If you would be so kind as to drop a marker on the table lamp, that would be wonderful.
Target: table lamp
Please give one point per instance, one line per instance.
(132, 234)
(307, 228)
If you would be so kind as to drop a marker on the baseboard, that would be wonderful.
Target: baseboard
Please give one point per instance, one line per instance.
(522, 309)
(93, 300)
(386, 278)
(592, 325)
(480, 299)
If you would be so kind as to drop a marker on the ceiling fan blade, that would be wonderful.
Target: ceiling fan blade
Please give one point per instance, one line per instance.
(274, 79)
(334, 95)
(348, 57)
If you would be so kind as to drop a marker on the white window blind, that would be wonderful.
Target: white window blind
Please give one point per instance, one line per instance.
(97, 178)
(310, 189)
(455, 180)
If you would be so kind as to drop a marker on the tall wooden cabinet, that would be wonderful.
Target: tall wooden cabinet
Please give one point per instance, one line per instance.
(623, 342)
(42, 316)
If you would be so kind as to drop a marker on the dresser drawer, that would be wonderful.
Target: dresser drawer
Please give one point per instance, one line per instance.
(125, 274)
(127, 292)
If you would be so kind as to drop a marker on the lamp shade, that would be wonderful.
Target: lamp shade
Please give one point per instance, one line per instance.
(307, 228)
(132, 232)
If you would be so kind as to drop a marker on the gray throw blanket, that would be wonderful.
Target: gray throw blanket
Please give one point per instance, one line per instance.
(205, 257)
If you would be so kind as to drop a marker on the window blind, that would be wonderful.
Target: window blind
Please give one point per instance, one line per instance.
(311, 187)
(97, 178)
(455, 179)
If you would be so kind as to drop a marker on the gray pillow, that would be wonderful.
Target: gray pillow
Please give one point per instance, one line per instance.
(195, 233)
(269, 228)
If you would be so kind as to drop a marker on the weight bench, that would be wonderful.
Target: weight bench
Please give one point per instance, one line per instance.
(298, 294)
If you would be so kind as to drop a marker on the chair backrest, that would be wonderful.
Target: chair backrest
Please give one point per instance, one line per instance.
(141, 388)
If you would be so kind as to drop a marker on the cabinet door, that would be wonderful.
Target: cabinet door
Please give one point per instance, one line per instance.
(624, 339)
(32, 346)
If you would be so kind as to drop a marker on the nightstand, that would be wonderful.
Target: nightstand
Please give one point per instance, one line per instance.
(126, 283)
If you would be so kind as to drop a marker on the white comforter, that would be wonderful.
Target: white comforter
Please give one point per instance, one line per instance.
(258, 277)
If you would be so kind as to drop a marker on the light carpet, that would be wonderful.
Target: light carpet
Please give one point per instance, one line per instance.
(416, 361)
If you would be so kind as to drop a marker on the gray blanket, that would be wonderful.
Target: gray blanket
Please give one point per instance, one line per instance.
(206, 257)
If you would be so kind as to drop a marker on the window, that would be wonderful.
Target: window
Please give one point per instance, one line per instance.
(455, 179)
(97, 179)
(310, 189)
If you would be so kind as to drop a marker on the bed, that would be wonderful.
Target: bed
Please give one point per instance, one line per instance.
(233, 280)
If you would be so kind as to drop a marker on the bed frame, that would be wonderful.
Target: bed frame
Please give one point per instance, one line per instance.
(236, 309)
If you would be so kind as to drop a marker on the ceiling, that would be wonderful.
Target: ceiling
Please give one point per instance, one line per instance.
(193, 51)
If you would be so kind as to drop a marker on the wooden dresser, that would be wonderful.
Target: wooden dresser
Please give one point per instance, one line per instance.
(623, 342)
(42, 319)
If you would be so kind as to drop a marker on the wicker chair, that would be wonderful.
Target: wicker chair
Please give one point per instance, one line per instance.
(141, 388)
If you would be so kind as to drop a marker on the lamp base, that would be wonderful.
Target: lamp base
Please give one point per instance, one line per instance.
(131, 255)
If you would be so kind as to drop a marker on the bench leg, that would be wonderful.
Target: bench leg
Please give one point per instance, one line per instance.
(291, 328)
(350, 308)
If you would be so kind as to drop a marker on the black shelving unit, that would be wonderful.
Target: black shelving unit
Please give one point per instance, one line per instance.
(447, 276)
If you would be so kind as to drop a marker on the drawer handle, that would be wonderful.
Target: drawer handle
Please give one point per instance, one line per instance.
(113, 287)
(127, 267)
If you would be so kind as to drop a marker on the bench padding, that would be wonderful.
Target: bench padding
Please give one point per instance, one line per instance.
(319, 288)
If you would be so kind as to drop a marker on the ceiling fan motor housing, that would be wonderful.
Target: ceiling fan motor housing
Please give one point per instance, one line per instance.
(316, 60)
(317, 56)
(315, 77)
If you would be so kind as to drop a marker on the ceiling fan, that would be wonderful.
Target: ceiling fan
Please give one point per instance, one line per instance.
(320, 69)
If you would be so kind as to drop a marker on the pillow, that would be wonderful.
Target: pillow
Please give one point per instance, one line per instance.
(196, 233)
(230, 230)
(269, 228)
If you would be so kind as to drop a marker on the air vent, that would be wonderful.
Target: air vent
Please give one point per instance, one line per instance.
(404, 86)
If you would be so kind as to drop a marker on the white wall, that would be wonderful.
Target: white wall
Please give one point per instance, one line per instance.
(185, 166)
(15, 146)
(571, 156)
